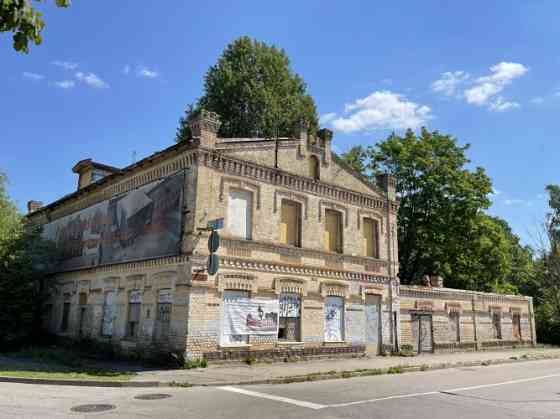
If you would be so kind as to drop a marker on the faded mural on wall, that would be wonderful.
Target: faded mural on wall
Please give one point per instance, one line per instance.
(140, 224)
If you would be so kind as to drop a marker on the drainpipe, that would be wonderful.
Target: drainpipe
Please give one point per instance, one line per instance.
(390, 266)
(531, 322)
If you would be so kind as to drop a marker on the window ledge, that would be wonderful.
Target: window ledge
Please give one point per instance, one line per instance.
(334, 341)
(236, 345)
(287, 343)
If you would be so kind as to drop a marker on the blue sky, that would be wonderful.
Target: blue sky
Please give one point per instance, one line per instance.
(112, 78)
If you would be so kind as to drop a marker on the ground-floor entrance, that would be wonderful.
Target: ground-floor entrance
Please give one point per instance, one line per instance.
(422, 336)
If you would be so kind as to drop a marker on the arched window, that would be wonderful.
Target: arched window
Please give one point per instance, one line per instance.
(314, 167)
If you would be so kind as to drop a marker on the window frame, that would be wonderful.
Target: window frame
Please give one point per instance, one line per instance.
(339, 248)
(250, 208)
(299, 334)
(375, 236)
(299, 223)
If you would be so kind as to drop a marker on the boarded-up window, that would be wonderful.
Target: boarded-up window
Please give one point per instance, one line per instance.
(290, 223)
(134, 305)
(371, 237)
(333, 231)
(65, 316)
(496, 325)
(108, 314)
(314, 168)
(334, 319)
(454, 326)
(231, 297)
(290, 317)
(163, 315)
(82, 300)
(516, 320)
(240, 213)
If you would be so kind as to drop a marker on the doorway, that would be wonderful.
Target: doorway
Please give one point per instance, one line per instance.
(422, 335)
(373, 331)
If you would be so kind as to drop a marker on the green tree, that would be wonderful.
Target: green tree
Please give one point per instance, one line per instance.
(24, 258)
(255, 92)
(26, 23)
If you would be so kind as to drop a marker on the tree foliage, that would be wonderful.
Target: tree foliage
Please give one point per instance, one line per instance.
(24, 257)
(442, 227)
(26, 23)
(255, 92)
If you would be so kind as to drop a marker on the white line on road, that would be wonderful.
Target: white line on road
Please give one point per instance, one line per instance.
(399, 396)
(316, 406)
(301, 403)
(522, 380)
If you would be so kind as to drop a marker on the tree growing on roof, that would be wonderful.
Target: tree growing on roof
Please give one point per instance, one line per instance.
(255, 92)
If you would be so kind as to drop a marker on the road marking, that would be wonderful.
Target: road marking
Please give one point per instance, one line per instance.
(399, 396)
(316, 406)
(295, 402)
(522, 380)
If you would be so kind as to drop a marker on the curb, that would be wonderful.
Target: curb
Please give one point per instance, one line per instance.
(318, 376)
(397, 369)
(79, 383)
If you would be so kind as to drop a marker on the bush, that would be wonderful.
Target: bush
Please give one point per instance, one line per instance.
(195, 363)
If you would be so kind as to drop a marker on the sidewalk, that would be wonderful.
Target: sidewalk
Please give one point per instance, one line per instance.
(336, 368)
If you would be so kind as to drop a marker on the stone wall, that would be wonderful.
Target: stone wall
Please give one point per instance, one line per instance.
(475, 318)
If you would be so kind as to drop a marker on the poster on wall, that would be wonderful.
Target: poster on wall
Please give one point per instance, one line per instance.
(140, 224)
(334, 319)
(245, 316)
(290, 305)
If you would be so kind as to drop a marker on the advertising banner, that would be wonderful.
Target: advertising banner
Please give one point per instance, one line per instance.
(245, 316)
(141, 224)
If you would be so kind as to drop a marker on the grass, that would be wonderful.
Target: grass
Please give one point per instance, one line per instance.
(56, 363)
(69, 375)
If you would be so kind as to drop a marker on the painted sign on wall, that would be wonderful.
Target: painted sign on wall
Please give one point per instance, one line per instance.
(251, 316)
(140, 224)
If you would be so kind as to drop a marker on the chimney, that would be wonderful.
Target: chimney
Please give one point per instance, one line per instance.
(325, 135)
(436, 281)
(388, 183)
(204, 126)
(33, 206)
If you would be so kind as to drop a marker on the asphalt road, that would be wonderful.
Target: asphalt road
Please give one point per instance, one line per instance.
(521, 390)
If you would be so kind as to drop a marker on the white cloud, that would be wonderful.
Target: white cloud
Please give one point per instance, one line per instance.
(382, 110)
(67, 65)
(537, 100)
(326, 118)
(65, 84)
(126, 69)
(495, 192)
(146, 72)
(33, 76)
(501, 105)
(514, 202)
(91, 80)
(449, 82)
(488, 87)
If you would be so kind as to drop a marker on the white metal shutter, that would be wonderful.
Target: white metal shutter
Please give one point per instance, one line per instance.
(240, 214)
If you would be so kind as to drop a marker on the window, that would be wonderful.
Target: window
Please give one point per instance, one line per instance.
(497, 325)
(65, 316)
(333, 231)
(454, 326)
(134, 305)
(82, 301)
(290, 223)
(516, 320)
(232, 297)
(108, 314)
(314, 168)
(163, 315)
(289, 327)
(334, 319)
(371, 237)
(240, 214)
